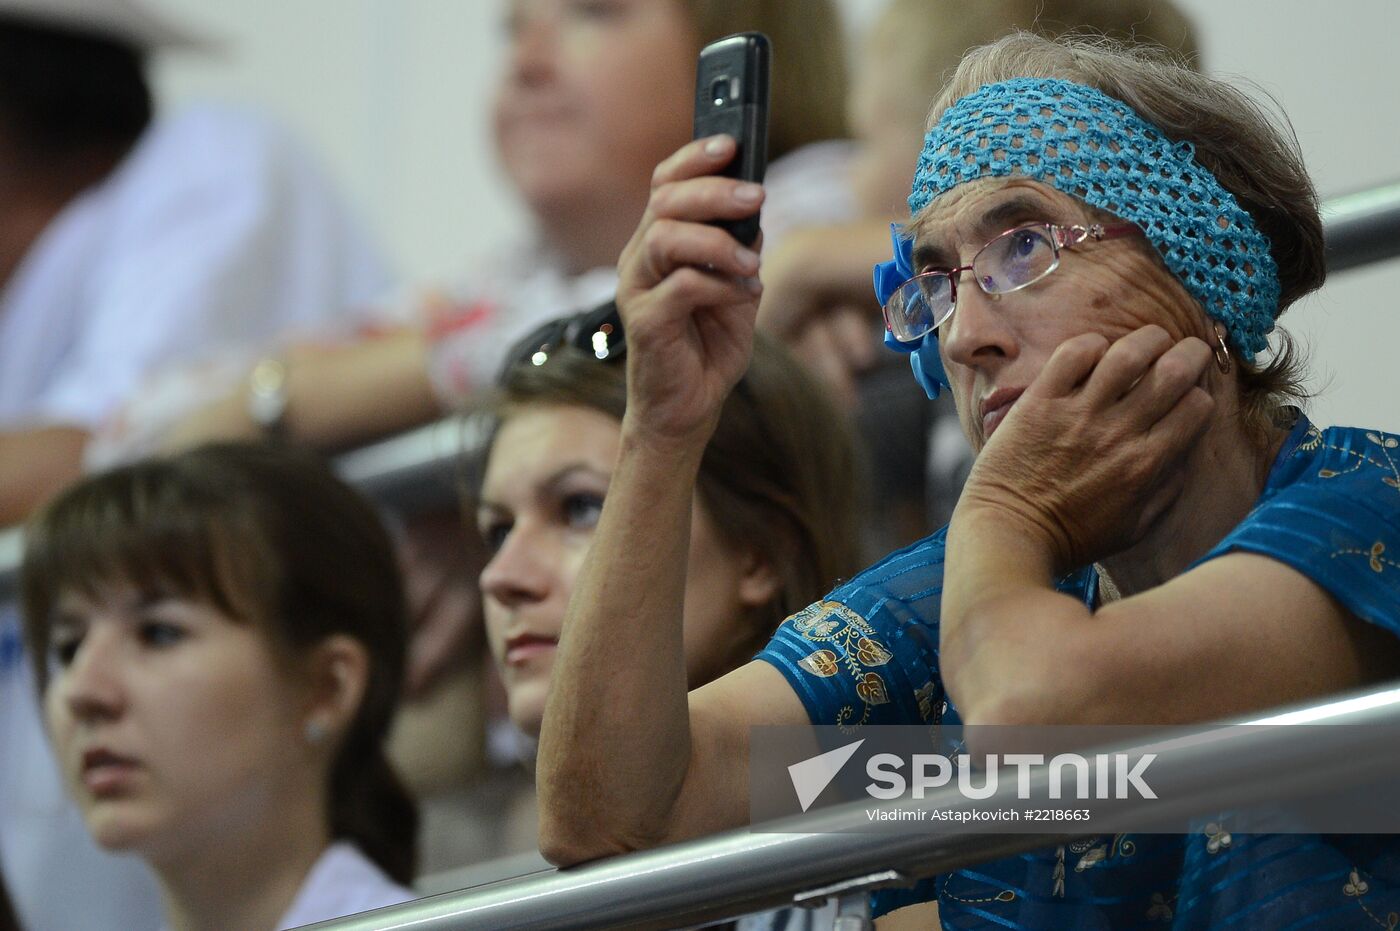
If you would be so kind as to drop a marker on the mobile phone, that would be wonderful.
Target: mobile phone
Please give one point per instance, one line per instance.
(731, 96)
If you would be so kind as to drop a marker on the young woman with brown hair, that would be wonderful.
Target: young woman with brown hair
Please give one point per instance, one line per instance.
(220, 642)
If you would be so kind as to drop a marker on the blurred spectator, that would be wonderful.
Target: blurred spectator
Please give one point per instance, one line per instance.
(220, 638)
(126, 242)
(592, 97)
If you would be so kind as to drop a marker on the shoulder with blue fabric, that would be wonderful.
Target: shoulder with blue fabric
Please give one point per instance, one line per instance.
(1331, 511)
(868, 652)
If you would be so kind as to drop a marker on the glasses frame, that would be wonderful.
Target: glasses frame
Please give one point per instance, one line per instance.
(1061, 237)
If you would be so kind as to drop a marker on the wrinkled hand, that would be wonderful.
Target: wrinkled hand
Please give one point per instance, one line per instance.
(688, 294)
(1091, 453)
(441, 561)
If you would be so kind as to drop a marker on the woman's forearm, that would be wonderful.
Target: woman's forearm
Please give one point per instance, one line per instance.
(615, 742)
(1002, 620)
(341, 396)
(336, 396)
(615, 746)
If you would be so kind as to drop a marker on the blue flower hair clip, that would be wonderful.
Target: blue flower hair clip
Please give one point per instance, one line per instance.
(924, 358)
(890, 275)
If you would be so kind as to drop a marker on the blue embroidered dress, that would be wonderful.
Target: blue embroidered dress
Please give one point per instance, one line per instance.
(868, 654)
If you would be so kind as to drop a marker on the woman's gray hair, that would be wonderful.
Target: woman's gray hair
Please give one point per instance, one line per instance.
(1251, 151)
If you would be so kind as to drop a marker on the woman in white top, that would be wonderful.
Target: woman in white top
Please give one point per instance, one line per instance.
(222, 640)
(592, 96)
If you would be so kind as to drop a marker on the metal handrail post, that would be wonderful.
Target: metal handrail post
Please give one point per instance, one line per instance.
(1362, 228)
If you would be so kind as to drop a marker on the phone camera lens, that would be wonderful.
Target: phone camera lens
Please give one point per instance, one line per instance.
(719, 90)
(723, 89)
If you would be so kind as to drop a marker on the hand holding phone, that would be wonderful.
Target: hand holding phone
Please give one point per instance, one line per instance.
(731, 96)
(686, 295)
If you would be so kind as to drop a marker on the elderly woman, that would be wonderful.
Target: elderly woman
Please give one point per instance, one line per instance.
(1146, 520)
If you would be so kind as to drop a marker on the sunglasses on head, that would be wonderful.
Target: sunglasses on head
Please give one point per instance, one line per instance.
(597, 331)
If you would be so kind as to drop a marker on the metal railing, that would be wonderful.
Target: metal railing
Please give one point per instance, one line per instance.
(1362, 228)
(418, 467)
(824, 854)
(11, 553)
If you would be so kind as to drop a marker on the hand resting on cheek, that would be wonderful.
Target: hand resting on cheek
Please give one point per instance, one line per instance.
(1091, 454)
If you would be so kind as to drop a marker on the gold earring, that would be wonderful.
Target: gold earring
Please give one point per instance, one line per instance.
(1222, 351)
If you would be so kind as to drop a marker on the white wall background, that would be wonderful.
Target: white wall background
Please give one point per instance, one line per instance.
(393, 95)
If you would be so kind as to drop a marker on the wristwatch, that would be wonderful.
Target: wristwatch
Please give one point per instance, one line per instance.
(267, 396)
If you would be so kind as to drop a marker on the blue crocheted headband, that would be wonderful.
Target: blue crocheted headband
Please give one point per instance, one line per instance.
(1084, 143)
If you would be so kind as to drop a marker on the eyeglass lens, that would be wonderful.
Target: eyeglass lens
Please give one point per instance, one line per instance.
(1011, 261)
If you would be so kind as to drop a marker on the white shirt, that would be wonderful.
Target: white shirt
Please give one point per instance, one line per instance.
(216, 228)
(343, 882)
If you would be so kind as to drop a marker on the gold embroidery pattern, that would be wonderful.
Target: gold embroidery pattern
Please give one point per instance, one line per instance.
(1097, 850)
(854, 646)
(924, 696)
(1376, 556)
(1005, 895)
(1356, 887)
(871, 688)
(1217, 838)
(1091, 851)
(821, 663)
(1385, 447)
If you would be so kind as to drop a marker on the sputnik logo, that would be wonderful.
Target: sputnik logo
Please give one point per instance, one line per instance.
(813, 775)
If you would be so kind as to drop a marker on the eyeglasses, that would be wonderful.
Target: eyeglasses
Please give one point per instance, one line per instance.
(597, 332)
(1015, 259)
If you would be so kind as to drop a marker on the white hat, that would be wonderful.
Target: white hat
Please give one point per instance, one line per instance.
(127, 21)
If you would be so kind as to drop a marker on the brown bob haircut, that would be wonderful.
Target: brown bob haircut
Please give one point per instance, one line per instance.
(779, 474)
(268, 536)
